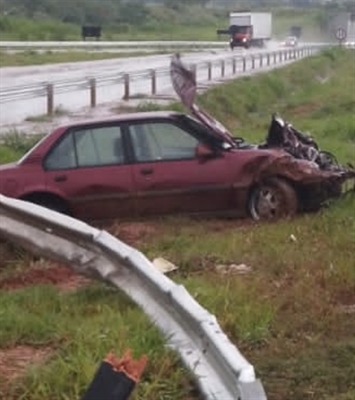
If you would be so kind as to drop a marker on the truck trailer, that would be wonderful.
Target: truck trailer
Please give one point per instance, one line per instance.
(248, 29)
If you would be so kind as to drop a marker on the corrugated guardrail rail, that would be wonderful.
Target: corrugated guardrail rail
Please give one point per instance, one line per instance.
(220, 370)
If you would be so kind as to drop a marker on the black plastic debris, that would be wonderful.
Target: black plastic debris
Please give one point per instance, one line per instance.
(116, 378)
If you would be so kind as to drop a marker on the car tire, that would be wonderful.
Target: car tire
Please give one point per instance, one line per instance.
(57, 206)
(273, 199)
(54, 204)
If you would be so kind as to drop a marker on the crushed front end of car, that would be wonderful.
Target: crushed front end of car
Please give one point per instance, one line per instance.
(315, 186)
(287, 154)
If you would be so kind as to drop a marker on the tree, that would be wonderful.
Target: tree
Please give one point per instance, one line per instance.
(177, 3)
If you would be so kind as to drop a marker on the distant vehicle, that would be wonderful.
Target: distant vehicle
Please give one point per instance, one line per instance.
(247, 29)
(91, 31)
(296, 31)
(291, 41)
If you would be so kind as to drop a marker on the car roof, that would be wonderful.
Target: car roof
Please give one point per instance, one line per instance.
(137, 116)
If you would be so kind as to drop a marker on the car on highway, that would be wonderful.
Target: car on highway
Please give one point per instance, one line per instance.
(290, 41)
(161, 162)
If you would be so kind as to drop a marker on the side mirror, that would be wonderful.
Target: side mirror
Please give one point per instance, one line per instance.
(203, 151)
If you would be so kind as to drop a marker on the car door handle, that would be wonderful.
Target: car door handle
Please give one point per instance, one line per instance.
(60, 178)
(146, 171)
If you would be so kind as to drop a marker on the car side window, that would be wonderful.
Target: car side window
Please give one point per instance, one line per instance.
(161, 141)
(63, 155)
(99, 146)
(88, 147)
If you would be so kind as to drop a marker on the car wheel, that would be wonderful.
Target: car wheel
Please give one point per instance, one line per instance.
(273, 199)
(55, 206)
(52, 203)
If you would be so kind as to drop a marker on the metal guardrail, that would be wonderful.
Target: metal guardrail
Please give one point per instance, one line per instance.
(90, 84)
(219, 368)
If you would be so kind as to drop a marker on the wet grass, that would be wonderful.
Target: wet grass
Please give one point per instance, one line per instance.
(33, 57)
(292, 315)
(15, 144)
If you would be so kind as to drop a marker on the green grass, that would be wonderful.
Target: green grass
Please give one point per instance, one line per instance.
(96, 318)
(286, 315)
(15, 143)
(33, 57)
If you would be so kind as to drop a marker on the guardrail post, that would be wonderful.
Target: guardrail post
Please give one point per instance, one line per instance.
(234, 65)
(244, 64)
(252, 62)
(209, 68)
(126, 86)
(268, 58)
(154, 81)
(92, 84)
(260, 60)
(50, 98)
(275, 57)
(280, 58)
(223, 65)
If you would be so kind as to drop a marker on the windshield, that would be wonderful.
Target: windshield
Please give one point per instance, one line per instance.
(241, 29)
(202, 132)
(216, 127)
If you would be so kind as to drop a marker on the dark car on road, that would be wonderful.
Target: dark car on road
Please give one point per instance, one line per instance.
(151, 163)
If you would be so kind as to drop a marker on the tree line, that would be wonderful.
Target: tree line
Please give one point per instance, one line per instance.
(89, 11)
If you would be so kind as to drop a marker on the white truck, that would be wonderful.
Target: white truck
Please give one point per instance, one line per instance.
(248, 29)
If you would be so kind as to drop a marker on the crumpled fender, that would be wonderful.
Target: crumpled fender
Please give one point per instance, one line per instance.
(290, 168)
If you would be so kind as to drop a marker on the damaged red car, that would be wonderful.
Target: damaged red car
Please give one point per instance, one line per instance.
(155, 163)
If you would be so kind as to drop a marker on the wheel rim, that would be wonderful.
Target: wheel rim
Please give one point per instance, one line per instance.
(267, 204)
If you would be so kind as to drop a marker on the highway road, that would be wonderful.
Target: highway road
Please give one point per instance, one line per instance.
(13, 76)
(15, 112)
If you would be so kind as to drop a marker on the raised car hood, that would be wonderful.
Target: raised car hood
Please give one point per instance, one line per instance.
(184, 83)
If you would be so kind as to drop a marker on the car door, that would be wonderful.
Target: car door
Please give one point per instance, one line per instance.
(168, 176)
(87, 167)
